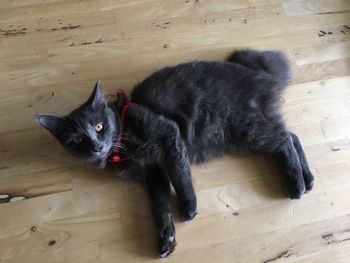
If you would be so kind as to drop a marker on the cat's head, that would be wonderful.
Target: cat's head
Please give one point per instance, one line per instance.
(88, 132)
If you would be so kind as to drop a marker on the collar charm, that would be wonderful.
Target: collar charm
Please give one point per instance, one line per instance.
(116, 156)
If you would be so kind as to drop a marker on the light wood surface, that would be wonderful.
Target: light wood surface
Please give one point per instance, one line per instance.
(51, 53)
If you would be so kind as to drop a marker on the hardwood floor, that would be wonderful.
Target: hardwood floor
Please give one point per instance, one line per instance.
(52, 52)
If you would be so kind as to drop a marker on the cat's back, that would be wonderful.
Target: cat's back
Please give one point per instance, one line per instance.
(178, 87)
(187, 90)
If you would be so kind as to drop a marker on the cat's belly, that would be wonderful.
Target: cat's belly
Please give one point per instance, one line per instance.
(211, 140)
(200, 153)
(197, 157)
(201, 150)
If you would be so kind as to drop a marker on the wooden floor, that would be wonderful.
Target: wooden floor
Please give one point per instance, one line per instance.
(52, 52)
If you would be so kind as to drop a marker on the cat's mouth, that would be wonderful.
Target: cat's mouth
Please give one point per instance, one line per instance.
(101, 155)
(97, 159)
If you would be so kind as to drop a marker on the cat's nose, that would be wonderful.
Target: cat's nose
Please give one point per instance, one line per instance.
(97, 148)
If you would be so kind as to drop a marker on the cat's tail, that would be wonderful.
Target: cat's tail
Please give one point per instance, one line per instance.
(272, 62)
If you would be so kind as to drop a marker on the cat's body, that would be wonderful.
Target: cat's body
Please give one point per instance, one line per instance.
(223, 112)
(185, 114)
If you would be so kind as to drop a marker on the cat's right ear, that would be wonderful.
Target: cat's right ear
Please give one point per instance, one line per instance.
(56, 125)
(97, 99)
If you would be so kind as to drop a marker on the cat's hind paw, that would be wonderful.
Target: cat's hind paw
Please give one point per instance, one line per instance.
(188, 209)
(309, 181)
(295, 188)
(189, 216)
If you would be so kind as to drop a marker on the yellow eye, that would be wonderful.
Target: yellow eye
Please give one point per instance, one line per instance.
(99, 127)
(77, 140)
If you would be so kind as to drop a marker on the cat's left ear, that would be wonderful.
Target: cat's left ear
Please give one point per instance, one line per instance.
(56, 125)
(97, 99)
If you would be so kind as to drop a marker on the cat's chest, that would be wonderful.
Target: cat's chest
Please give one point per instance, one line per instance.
(128, 170)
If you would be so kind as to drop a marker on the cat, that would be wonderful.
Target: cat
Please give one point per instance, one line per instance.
(183, 114)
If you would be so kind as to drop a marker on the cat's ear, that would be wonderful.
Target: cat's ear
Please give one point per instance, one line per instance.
(56, 125)
(97, 99)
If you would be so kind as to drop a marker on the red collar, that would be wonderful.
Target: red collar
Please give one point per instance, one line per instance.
(116, 156)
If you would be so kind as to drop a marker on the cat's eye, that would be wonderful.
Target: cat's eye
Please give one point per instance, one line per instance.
(77, 140)
(99, 127)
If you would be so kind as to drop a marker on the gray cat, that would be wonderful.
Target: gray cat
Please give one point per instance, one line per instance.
(184, 114)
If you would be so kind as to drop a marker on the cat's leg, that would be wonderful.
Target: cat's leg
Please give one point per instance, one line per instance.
(169, 149)
(178, 170)
(307, 175)
(281, 146)
(158, 187)
(291, 168)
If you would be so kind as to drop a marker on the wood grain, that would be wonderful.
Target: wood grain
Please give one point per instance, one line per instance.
(52, 52)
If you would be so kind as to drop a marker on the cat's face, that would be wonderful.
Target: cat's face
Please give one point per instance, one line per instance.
(87, 132)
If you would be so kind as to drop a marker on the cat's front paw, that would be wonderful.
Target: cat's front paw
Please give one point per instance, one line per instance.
(166, 241)
(167, 246)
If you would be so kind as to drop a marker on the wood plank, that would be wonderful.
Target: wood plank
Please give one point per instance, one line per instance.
(308, 7)
(73, 255)
(278, 246)
(317, 54)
